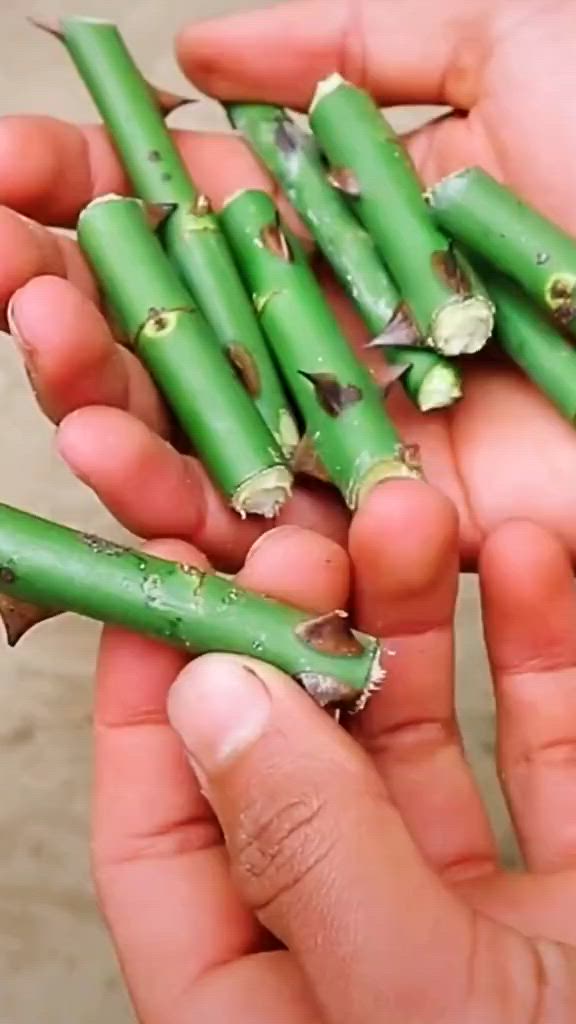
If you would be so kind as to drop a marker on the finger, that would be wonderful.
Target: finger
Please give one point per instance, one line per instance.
(304, 569)
(162, 876)
(154, 491)
(283, 779)
(33, 251)
(529, 608)
(50, 170)
(72, 358)
(404, 549)
(158, 861)
(534, 905)
(403, 51)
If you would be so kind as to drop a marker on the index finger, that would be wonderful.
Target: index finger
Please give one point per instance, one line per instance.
(403, 51)
(50, 169)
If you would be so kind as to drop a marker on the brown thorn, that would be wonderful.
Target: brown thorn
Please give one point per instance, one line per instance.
(330, 634)
(168, 101)
(306, 461)
(201, 206)
(19, 617)
(287, 136)
(53, 28)
(274, 239)
(344, 180)
(157, 213)
(401, 331)
(333, 396)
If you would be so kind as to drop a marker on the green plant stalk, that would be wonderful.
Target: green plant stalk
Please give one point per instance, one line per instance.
(182, 353)
(339, 400)
(494, 223)
(191, 235)
(431, 380)
(293, 158)
(532, 342)
(53, 567)
(446, 300)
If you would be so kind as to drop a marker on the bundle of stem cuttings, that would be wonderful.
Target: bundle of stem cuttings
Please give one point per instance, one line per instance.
(225, 311)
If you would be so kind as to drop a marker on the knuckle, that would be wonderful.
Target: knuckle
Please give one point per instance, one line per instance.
(276, 852)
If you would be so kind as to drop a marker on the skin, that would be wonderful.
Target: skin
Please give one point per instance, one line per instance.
(238, 930)
(503, 451)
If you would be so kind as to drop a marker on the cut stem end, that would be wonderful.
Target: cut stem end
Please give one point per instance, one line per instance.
(264, 494)
(463, 327)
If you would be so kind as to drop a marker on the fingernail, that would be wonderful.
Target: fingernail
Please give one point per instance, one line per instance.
(15, 331)
(220, 708)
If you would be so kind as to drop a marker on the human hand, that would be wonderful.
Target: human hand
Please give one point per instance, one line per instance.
(358, 880)
(503, 451)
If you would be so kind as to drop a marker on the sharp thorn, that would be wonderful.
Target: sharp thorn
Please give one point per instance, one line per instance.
(168, 101)
(158, 213)
(53, 28)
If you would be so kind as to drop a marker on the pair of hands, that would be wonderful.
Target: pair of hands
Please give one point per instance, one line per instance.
(297, 875)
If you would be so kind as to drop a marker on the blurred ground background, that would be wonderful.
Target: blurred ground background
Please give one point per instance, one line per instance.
(56, 965)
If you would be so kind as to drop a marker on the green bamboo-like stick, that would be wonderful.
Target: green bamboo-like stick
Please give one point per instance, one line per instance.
(47, 566)
(532, 342)
(191, 234)
(339, 400)
(182, 353)
(493, 222)
(293, 158)
(371, 166)
(431, 380)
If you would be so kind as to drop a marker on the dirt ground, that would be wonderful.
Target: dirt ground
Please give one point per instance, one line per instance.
(56, 964)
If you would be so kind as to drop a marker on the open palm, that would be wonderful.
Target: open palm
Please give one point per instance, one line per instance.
(500, 453)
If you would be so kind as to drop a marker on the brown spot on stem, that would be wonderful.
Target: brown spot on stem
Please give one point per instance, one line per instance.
(246, 368)
(168, 102)
(166, 176)
(274, 239)
(287, 137)
(53, 28)
(201, 206)
(157, 213)
(542, 258)
(446, 266)
(330, 634)
(306, 461)
(560, 297)
(344, 180)
(7, 575)
(101, 546)
(333, 396)
(19, 616)
(400, 331)
(154, 156)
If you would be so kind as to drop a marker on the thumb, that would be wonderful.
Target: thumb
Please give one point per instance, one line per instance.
(317, 850)
(403, 51)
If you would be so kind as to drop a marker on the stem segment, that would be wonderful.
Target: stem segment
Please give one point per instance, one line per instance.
(46, 564)
(293, 158)
(339, 400)
(179, 348)
(491, 221)
(191, 234)
(432, 381)
(531, 341)
(371, 166)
